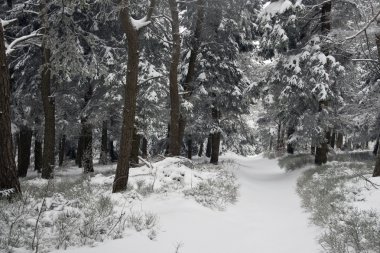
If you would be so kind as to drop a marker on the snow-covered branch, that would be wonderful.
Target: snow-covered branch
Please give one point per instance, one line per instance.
(4, 23)
(365, 27)
(11, 47)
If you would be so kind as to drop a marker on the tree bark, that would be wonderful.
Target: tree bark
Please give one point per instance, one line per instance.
(196, 43)
(24, 148)
(62, 146)
(322, 150)
(104, 146)
(332, 141)
(279, 142)
(78, 159)
(290, 146)
(209, 146)
(339, 141)
(215, 139)
(130, 96)
(376, 172)
(174, 133)
(189, 145)
(200, 151)
(135, 148)
(144, 148)
(8, 172)
(37, 154)
(113, 155)
(87, 156)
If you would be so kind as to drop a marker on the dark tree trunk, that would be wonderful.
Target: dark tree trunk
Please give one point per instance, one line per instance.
(200, 151)
(87, 155)
(62, 146)
(174, 133)
(78, 159)
(130, 96)
(49, 112)
(196, 43)
(113, 155)
(270, 143)
(135, 148)
(9, 3)
(104, 147)
(312, 150)
(290, 146)
(279, 142)
(332, 141)
(376, 172)
(209, 146)
(215, 139)
(339, 141)
(189, 144)
(215, 148)
(8, 171)
(322, 150)
(24, 147)
(37, 154)
(144, 148)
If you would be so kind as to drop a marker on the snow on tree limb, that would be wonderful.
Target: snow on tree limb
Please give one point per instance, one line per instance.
(365, 27)
(4, 23)
(11, 47)
(140, 23)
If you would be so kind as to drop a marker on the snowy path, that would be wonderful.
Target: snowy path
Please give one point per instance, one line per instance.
(266, 219)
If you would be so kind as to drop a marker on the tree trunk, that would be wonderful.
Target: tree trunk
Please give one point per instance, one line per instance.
(322, 150)
(113, 155)
(130, 96)
(209, 146)
(48, 102)
(144, 148)
(104, 147)
(200, 152)
(62, 146)
(376, 172)
(215, 148)
(189, 144)
(290, 146)
(279, 136)
(78, 159)
(8, 171)
(24, 147)
(37, 154)
(87, 156)
(332, 141)
(174, 143)
(339, 141)
(196, 43)
(270, 143)
(135, 148)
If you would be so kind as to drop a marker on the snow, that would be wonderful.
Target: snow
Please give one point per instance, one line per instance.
(140, 23)
(267, 218)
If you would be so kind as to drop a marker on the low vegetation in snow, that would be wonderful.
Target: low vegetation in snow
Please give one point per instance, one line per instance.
(343, 199)
(75, 210)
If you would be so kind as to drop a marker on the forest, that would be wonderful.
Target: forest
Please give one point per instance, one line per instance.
(114, 112)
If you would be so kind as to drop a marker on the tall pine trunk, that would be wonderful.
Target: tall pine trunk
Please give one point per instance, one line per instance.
(144, 148)
(174, 132)
(8, 172)
(104, 144)
(209, 146)
(200, 151)
(78, 158)
(24, 149)
(135, 148)
(332, 140)
(339, 141)
(62, 147)
(130, 96)
(376, 172)
(215, 138)
(189, 146)
(37, 154)
(290, 146)
(87, 155)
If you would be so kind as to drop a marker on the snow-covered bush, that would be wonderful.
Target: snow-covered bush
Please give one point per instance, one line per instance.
(216, 192)
(341, 198)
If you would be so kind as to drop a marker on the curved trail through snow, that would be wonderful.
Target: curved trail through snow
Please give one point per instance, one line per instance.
(267, 218)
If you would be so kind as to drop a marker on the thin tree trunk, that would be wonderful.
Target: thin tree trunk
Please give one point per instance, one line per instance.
(279, 130)
(200, 152)
(24, 148)
(78, 159)
(104, 147)
(215, 148)
(376, 172)
(290, 146)
(8, 171)
(144, 148)
(135, 148)
(87, 156)
(339, 141)
(270, 143)
(196, 43)
(189, 144)
(332, 141)
(322, 150)
(62, 146)
(37, 154)
(130, 96)
(174, 142)
(209, 146)
(48, 101)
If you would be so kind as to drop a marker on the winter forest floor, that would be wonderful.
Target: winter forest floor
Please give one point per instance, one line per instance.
(267, 218)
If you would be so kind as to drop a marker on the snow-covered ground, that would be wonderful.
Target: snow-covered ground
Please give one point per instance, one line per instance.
(267, 218)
